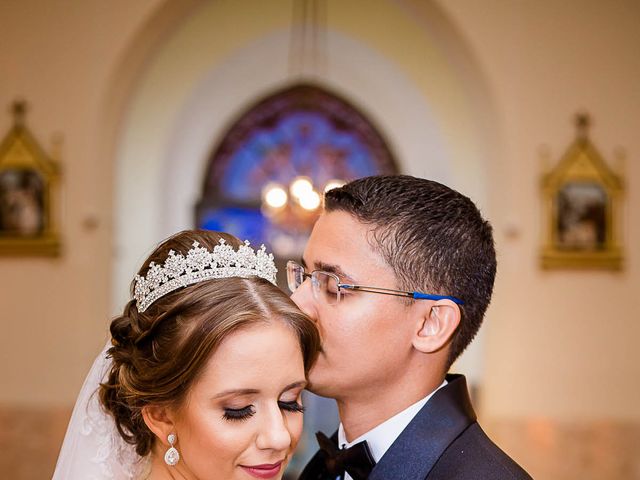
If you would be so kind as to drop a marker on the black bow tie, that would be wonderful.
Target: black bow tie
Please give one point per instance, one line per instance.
(356, 460)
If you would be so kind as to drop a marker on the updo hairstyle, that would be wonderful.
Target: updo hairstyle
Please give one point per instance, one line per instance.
(158, 355)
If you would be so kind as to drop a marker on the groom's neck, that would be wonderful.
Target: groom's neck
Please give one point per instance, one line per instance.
(361, 412)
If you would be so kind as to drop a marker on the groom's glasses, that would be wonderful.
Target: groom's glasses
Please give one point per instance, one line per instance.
(326, 286)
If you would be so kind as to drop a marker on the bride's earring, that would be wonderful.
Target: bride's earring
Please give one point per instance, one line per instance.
(172, 457)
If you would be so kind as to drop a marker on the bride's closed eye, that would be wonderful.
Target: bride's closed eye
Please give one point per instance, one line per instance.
(293, 406)
(235, 414)
(244, 413)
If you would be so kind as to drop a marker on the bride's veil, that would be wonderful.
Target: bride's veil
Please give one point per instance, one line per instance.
(92, 448)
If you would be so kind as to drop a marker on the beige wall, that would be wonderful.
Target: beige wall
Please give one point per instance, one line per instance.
(502, 78)
(60, 56)
(559, 344)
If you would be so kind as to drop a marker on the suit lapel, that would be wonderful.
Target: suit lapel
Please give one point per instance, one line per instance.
(444, 417)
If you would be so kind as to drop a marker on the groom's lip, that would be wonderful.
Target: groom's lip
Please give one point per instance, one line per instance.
(266, 470)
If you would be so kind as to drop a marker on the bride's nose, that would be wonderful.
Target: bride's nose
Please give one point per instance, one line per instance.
(274, 432)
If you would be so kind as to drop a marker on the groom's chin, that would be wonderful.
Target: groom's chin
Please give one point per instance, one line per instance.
(317, 389)
(319, 378)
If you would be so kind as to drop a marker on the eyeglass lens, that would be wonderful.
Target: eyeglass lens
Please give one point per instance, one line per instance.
(295, 276)
(324, 285)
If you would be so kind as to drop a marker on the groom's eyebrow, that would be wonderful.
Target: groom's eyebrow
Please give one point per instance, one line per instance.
(332, 268)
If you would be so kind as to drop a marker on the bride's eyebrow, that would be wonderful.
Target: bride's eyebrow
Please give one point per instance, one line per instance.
(237, 392)
(240, 392)
(300, 384)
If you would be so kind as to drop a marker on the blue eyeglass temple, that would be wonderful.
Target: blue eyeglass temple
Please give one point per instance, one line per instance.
(426, 296)
(414, 295)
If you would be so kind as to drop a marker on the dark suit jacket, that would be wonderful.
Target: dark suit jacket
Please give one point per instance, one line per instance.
(443, 441)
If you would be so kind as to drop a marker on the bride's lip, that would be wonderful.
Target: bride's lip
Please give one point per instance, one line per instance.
(266, 470)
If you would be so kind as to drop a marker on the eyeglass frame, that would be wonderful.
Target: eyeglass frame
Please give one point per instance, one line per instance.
(369, 289)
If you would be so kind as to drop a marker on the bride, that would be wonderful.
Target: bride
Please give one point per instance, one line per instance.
(203, 375)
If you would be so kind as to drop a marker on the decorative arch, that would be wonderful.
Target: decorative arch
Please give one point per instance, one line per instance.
(301, 130)
(440, 118)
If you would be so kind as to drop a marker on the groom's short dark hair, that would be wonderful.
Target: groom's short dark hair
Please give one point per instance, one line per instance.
(433, 238)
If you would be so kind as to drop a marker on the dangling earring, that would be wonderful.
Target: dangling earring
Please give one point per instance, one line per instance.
(171, 457)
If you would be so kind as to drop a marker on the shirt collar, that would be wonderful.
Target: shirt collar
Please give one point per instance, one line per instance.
(380, 438)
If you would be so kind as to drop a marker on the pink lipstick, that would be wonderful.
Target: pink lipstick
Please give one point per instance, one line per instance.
(267, 470)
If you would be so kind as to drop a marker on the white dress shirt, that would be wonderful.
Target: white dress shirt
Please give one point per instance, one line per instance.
(380, 438)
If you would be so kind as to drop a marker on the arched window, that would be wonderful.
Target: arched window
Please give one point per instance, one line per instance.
(302, 130)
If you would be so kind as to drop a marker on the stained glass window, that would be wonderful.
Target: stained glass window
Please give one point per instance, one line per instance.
(302, 130)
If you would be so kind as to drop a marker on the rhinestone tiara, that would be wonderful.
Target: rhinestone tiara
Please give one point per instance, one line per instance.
(199, 265)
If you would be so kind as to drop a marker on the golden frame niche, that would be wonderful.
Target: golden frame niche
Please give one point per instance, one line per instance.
(582, 209)
(29, 189)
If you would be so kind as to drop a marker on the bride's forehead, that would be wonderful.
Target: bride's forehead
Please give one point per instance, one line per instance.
(258, 353)
(263, 333)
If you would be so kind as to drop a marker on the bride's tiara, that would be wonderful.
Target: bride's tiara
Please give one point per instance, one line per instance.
(199, 265)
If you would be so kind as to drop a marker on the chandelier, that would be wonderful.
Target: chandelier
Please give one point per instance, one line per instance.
(295, 207)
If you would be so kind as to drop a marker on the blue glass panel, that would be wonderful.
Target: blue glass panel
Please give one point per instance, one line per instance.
(244, 223)
(300, 143)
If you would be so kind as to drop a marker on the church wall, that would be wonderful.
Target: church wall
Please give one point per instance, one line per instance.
(61, 60)
(59, 56)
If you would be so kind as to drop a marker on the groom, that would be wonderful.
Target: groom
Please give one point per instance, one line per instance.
(398, 274)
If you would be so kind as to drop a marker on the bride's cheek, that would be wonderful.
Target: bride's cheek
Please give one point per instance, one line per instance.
(296, 424)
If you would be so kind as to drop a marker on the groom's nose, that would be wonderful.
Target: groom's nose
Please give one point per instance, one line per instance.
(303, 298)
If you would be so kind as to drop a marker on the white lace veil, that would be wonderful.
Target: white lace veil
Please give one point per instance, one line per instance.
(93, 449)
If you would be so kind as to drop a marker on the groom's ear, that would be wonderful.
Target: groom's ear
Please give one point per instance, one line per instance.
(159, 419)
(436, 325)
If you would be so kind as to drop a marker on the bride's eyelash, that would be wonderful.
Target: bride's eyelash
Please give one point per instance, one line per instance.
(291, 406)
(235, 414)
(244, 413)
